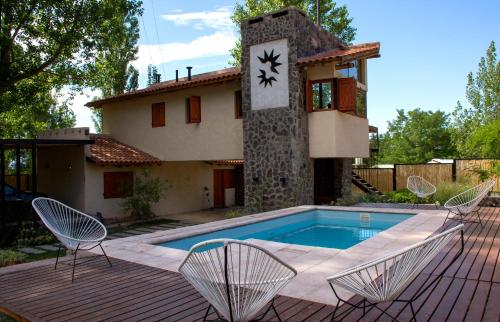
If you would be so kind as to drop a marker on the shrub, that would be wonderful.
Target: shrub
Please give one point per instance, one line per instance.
(446, 190)
(402, 196)
(31, 234)
(10, 257)
(233, 214)
(147, 191)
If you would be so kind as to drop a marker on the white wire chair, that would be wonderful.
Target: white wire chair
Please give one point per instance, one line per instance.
(467, 202)
(237, 278)
(420, 187)
(74, 229)
(384, 279)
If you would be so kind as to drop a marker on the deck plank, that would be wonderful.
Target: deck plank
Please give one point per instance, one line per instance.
(469, 291)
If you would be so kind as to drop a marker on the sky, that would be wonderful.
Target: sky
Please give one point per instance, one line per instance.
(427, 47)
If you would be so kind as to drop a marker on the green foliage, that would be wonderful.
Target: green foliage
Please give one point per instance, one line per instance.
(484, 174)
(402, 196)
(446, 190)
(356, 198)
(63, 38)
(31, 106)
(10, 257)
(31, 234)
(233, 214)
(416, 136)
(476, 129)
(482, 142)
(147, 191)
(334, 18)
(152, 71)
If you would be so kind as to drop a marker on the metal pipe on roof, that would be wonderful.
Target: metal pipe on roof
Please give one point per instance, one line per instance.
(189, 72)
(176, 75)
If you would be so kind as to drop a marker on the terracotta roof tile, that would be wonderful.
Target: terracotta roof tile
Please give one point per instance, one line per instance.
(108, 151)
(214, 77)
(367, 50)
(229, 162)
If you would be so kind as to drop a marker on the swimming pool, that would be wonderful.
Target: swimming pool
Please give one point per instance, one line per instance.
(319, 228)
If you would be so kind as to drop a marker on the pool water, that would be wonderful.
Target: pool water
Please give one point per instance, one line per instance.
(320, 228)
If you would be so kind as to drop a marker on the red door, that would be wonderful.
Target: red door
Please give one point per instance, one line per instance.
(218, 188)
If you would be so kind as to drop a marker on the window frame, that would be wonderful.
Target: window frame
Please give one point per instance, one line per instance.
(155, 122)
(238, 104)
(111, 178)
(310, 94)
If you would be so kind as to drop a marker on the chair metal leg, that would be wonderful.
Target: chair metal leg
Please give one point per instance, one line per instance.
(414, 316)
(105, 255)
(74, 263)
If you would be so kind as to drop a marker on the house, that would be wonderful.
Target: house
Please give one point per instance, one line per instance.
(283, 130)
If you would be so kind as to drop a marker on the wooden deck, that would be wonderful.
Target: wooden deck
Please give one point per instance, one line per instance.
(470, 290)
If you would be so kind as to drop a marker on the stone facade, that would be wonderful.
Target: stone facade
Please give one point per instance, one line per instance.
(278, 169)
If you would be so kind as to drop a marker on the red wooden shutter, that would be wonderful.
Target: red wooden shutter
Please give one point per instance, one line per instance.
(158, 114)
(118, 184)
(238, 109)
(346, 94)
(309, 96)
(194, 109)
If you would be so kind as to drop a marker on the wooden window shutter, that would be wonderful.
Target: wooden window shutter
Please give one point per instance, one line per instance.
(346, 94)
(309, 96)
(158, 114)
(195, 109)
(238, 108)
(118, 184)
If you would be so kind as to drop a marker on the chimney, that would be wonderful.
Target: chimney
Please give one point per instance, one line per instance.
(157, 78)
(189, 72)
(176, 75)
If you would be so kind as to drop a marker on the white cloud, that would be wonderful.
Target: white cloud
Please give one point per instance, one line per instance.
(219, 19)
(216, 44)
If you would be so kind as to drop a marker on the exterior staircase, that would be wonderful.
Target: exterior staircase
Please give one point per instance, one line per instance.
(362, 184)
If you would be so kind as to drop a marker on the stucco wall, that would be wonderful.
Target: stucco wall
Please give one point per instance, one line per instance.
(218, 136)
(333, 134)
(61, 174)
(186, 193)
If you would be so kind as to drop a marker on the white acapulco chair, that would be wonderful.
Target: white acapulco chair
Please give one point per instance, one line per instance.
(237, 278)
(420, 187)
(467, 202)
(384, 279)
(74, 229)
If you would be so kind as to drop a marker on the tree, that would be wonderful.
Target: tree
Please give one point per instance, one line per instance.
(34, 106)
(416, 137)
(334, 19)
(152, 72)
(483, 94)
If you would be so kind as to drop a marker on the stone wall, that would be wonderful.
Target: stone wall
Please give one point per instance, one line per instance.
(278, 169)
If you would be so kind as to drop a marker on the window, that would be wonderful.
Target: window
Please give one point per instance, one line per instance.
(355, 69)
(361, 103)
(320, 95)
(158, 114)
(238, 109)
(193, 109)
(118, 184)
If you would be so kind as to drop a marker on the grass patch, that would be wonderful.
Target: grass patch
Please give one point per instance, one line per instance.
(10, 257)
(6, 318)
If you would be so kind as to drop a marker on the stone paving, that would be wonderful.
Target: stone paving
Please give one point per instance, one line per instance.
(41, 249)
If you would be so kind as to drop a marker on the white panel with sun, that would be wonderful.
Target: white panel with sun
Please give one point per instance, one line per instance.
(269, 74)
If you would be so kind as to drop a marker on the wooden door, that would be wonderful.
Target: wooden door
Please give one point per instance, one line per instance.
(218, 188)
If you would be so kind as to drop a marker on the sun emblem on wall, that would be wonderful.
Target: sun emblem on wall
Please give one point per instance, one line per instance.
(273, 60)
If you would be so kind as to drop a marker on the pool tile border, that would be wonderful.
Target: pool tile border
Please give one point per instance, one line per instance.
(314, 264)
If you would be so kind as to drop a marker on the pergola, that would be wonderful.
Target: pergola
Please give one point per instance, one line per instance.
(27, 144)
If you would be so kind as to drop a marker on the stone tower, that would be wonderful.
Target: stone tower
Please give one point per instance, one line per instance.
(278, 169)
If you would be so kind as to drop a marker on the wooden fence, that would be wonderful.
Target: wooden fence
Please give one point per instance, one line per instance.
(25, 181)
(394, 179)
